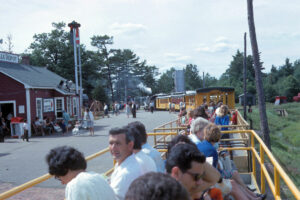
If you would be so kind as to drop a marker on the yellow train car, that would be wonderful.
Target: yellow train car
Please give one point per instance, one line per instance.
(215, 94)
(162, 102)
(176, 99)
(189, 100)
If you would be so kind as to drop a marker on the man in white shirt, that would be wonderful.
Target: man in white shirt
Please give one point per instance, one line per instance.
(147, 149)
(146, 162)
(127, 168)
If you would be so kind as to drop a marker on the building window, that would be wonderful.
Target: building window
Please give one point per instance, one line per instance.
(69, 105)
(59, 107)
(75, 106)
(39, 108)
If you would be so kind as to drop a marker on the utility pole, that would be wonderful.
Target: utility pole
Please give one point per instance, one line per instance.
(74, 26)
(245, 75)
(203, 81)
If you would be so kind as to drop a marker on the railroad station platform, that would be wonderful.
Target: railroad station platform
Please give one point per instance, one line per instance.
(22, 161)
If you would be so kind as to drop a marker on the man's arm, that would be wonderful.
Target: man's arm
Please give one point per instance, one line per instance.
(210, 178)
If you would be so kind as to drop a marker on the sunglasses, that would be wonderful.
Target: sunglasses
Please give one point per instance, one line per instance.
(196, 177)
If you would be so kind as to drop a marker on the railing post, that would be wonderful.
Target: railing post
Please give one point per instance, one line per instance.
(253, 157)
(277, 182)
(262, 162)
(154, 138)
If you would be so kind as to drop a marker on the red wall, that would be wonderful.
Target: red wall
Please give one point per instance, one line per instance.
(11, 90)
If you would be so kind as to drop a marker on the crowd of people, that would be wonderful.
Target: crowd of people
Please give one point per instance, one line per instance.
(140, 173)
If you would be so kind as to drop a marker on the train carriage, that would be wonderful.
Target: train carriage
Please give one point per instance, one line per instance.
(189, 100)
(215, 94)
(176, 99)
(162, 102)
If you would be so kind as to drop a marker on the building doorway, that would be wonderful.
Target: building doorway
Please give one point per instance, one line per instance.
(7, 107)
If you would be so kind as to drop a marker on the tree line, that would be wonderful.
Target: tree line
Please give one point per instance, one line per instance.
(113, 74)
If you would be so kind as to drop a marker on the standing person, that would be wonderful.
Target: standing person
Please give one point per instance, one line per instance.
(151, 106)
(69, 166)
(128, 109)
(170, 107)
(133, 110)
(25, 128)
(89, 117)
(8, 118)
(66, 118)
(127, 168)
(106, 110)
(92, 132)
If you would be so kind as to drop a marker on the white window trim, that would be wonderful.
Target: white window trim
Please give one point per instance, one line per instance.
(74, 106)
(55, 106)
(36, 108)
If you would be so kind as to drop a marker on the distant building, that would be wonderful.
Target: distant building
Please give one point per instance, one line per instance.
(179, 81)
(28, 91)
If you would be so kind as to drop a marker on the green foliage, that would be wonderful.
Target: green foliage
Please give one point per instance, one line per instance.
(284, 133)
(165, 83)
(191, 77)
(55, 51)
(233, 76)
(99, 93)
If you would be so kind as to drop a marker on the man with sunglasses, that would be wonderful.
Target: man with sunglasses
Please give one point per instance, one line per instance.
(187, 165)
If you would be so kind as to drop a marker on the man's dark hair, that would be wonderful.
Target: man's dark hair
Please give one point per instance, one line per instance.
(142, 130)
(137, 137)
(124, 130)
(182, 156)
(179, 139)
(62, 159)
(156, 186)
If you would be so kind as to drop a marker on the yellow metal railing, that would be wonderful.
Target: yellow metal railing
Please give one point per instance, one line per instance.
(260, 157)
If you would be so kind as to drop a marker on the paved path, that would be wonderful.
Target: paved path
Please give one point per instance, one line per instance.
(23, 161)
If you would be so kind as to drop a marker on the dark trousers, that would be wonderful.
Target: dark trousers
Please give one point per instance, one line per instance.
(26, 136)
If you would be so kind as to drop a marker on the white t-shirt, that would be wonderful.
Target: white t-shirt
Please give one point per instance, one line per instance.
(25, 126)
(146, 162)
(124, 175)
(155, 155)
(89, 186)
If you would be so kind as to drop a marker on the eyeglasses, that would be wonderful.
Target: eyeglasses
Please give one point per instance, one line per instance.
(196, 177)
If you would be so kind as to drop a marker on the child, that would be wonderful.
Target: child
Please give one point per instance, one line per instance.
(25, 127)
(75, 130)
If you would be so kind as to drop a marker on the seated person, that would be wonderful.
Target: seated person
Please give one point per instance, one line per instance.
(61, 124)
(38, 125)
(47, 126)
(156, 186)
(69, 166)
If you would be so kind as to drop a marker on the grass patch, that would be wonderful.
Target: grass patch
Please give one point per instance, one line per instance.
(284, 135)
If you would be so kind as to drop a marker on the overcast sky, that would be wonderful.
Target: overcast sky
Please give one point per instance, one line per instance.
(166, 33)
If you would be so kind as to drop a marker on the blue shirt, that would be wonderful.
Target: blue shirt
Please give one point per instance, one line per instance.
(222, 121)
(208, 150)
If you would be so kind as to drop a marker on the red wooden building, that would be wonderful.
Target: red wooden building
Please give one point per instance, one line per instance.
(29, 92)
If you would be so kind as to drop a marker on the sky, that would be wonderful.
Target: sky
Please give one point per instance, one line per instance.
(165, 33)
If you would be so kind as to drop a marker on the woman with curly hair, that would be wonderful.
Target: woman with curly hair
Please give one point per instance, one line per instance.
(69, 166)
